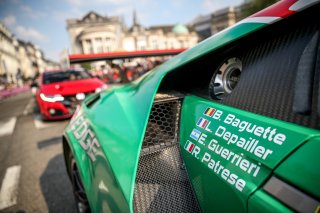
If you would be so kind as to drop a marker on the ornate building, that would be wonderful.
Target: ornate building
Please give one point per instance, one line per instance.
(159, 37)
(95, 33)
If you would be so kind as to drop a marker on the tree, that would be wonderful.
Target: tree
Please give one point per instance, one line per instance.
(255, 6)
(86, 66)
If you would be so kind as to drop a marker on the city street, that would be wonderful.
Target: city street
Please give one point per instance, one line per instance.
(32, 170)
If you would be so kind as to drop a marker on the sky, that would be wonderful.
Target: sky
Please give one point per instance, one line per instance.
(43, 22)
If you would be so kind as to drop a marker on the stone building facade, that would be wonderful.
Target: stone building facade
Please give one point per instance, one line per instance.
(95, 34)
(222, 19)
(9, 63)
(210, 24)
(19, 59)
(31, 59)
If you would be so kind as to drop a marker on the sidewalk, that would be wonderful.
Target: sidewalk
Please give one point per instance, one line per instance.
(13, 91)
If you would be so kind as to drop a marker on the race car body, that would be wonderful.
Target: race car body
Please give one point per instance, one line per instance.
(229, 125)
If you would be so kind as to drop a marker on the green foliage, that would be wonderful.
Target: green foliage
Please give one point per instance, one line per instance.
(256, 5)
(86, 66)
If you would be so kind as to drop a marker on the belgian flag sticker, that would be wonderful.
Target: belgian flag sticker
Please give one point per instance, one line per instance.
(209, 111)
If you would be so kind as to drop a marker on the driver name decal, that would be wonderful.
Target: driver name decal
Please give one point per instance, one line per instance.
(231, 147)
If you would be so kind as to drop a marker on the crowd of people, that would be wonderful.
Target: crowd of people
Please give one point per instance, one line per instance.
(124, 72)
(10, 81)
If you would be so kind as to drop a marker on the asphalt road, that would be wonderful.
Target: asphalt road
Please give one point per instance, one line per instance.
(32, 171)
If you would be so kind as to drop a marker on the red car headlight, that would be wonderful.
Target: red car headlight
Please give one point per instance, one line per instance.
(51, 98)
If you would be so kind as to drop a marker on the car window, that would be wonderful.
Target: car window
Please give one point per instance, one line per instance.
(70, 75)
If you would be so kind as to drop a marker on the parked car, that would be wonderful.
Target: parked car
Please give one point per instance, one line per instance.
(61, 91)
(231, 125)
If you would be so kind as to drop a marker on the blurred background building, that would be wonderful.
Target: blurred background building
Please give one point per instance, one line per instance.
(210, 24)
(9, 62)
(95, 34)
(20, 60)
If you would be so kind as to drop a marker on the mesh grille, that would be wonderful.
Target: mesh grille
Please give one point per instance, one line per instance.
(162, 128)
(162, 183)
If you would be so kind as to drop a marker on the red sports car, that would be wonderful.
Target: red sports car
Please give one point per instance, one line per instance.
(60, 92)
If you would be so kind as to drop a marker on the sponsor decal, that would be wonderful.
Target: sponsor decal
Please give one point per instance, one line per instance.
(202, 123)
(227, 142)
(189, 146)
(209, 111)
(85, 136)
(195, 134)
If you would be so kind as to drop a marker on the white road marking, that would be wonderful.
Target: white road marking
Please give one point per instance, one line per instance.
(7, 126)
(28, 107)
(9, 187)
(39, 124)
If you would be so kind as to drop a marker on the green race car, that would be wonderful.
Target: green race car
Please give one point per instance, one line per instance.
(231, 125)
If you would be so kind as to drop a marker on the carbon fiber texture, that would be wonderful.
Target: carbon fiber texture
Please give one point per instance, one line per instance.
(267, 83)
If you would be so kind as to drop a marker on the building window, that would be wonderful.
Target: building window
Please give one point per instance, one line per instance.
(171, 45)
(181, 44)
(89, 46)
(109, 42)
(141, 44)
(108, 48)
(98, 44)
(155, 44)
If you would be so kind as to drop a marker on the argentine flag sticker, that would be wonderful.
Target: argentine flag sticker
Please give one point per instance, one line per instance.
(195, 134)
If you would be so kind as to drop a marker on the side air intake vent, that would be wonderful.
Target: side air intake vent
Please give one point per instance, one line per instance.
(162, 183)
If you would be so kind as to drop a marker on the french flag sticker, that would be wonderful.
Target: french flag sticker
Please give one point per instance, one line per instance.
(189, 146)
(202, 123)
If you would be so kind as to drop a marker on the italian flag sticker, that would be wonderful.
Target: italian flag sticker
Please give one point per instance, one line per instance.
(189, 146)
